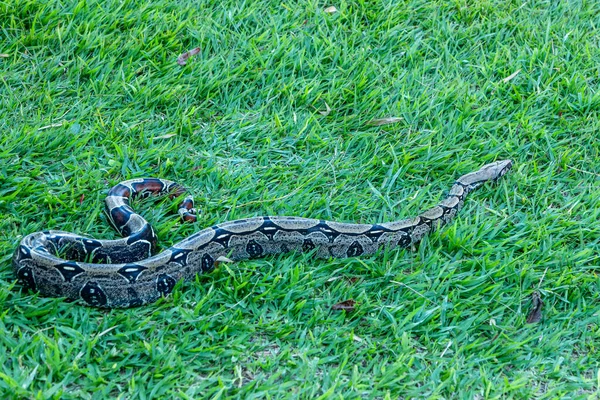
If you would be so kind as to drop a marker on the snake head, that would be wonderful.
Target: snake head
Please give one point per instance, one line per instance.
(498, 168)
(486, 173)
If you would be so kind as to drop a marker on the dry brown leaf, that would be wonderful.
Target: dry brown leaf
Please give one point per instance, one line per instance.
(347, 305)
(511, 76)
(168, 135)
(331, 10)
(182, 59)
(384, 121)
(81, 199)
(535, 315)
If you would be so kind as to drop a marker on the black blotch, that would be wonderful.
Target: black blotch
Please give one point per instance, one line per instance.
(375, 232)
(308, 245)
(55, 241)
(179, 256)
(254, 249)
(147, 187)
(69, 270)
(120, 216)
(24, 253)
(119, 190)
(134, 298)
(90, 244)
(131, 271)
(354, 250)
(146, 232)
(165, 284)
(325, 229)
(93, 294)
(188, 204)
(404, 241)
(208, 263)
(221, 236)
(268, 228)
(426, 221)
(26, 278)
(447, 210)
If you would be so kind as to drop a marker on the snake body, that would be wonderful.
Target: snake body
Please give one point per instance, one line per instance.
(125, 273)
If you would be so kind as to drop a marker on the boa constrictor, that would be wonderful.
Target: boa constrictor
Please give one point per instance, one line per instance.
(125, 273)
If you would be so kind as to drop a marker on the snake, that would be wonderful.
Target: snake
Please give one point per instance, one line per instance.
(130, 272)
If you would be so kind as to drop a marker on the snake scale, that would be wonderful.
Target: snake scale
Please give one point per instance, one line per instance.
(125, 273)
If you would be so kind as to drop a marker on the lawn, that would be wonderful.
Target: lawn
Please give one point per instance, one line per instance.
(274, 116)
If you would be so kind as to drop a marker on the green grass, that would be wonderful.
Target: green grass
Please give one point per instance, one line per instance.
(87, 90)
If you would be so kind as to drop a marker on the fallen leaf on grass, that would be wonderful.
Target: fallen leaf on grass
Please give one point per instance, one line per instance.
(327, 110)
(511, 76)
(221, 260)
(535, 315)
(347, 305)
(331, 10)
(384, 121)
(168, 135)
(81, 199)
(182, 59)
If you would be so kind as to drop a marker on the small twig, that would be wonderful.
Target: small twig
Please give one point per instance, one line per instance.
(446, 349)
(583, 171)
(106, 331)
(542, 278)
(414, 291)
(56, 125)
(511, 76)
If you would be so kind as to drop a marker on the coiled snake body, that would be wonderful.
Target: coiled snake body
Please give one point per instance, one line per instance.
(124, 273)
